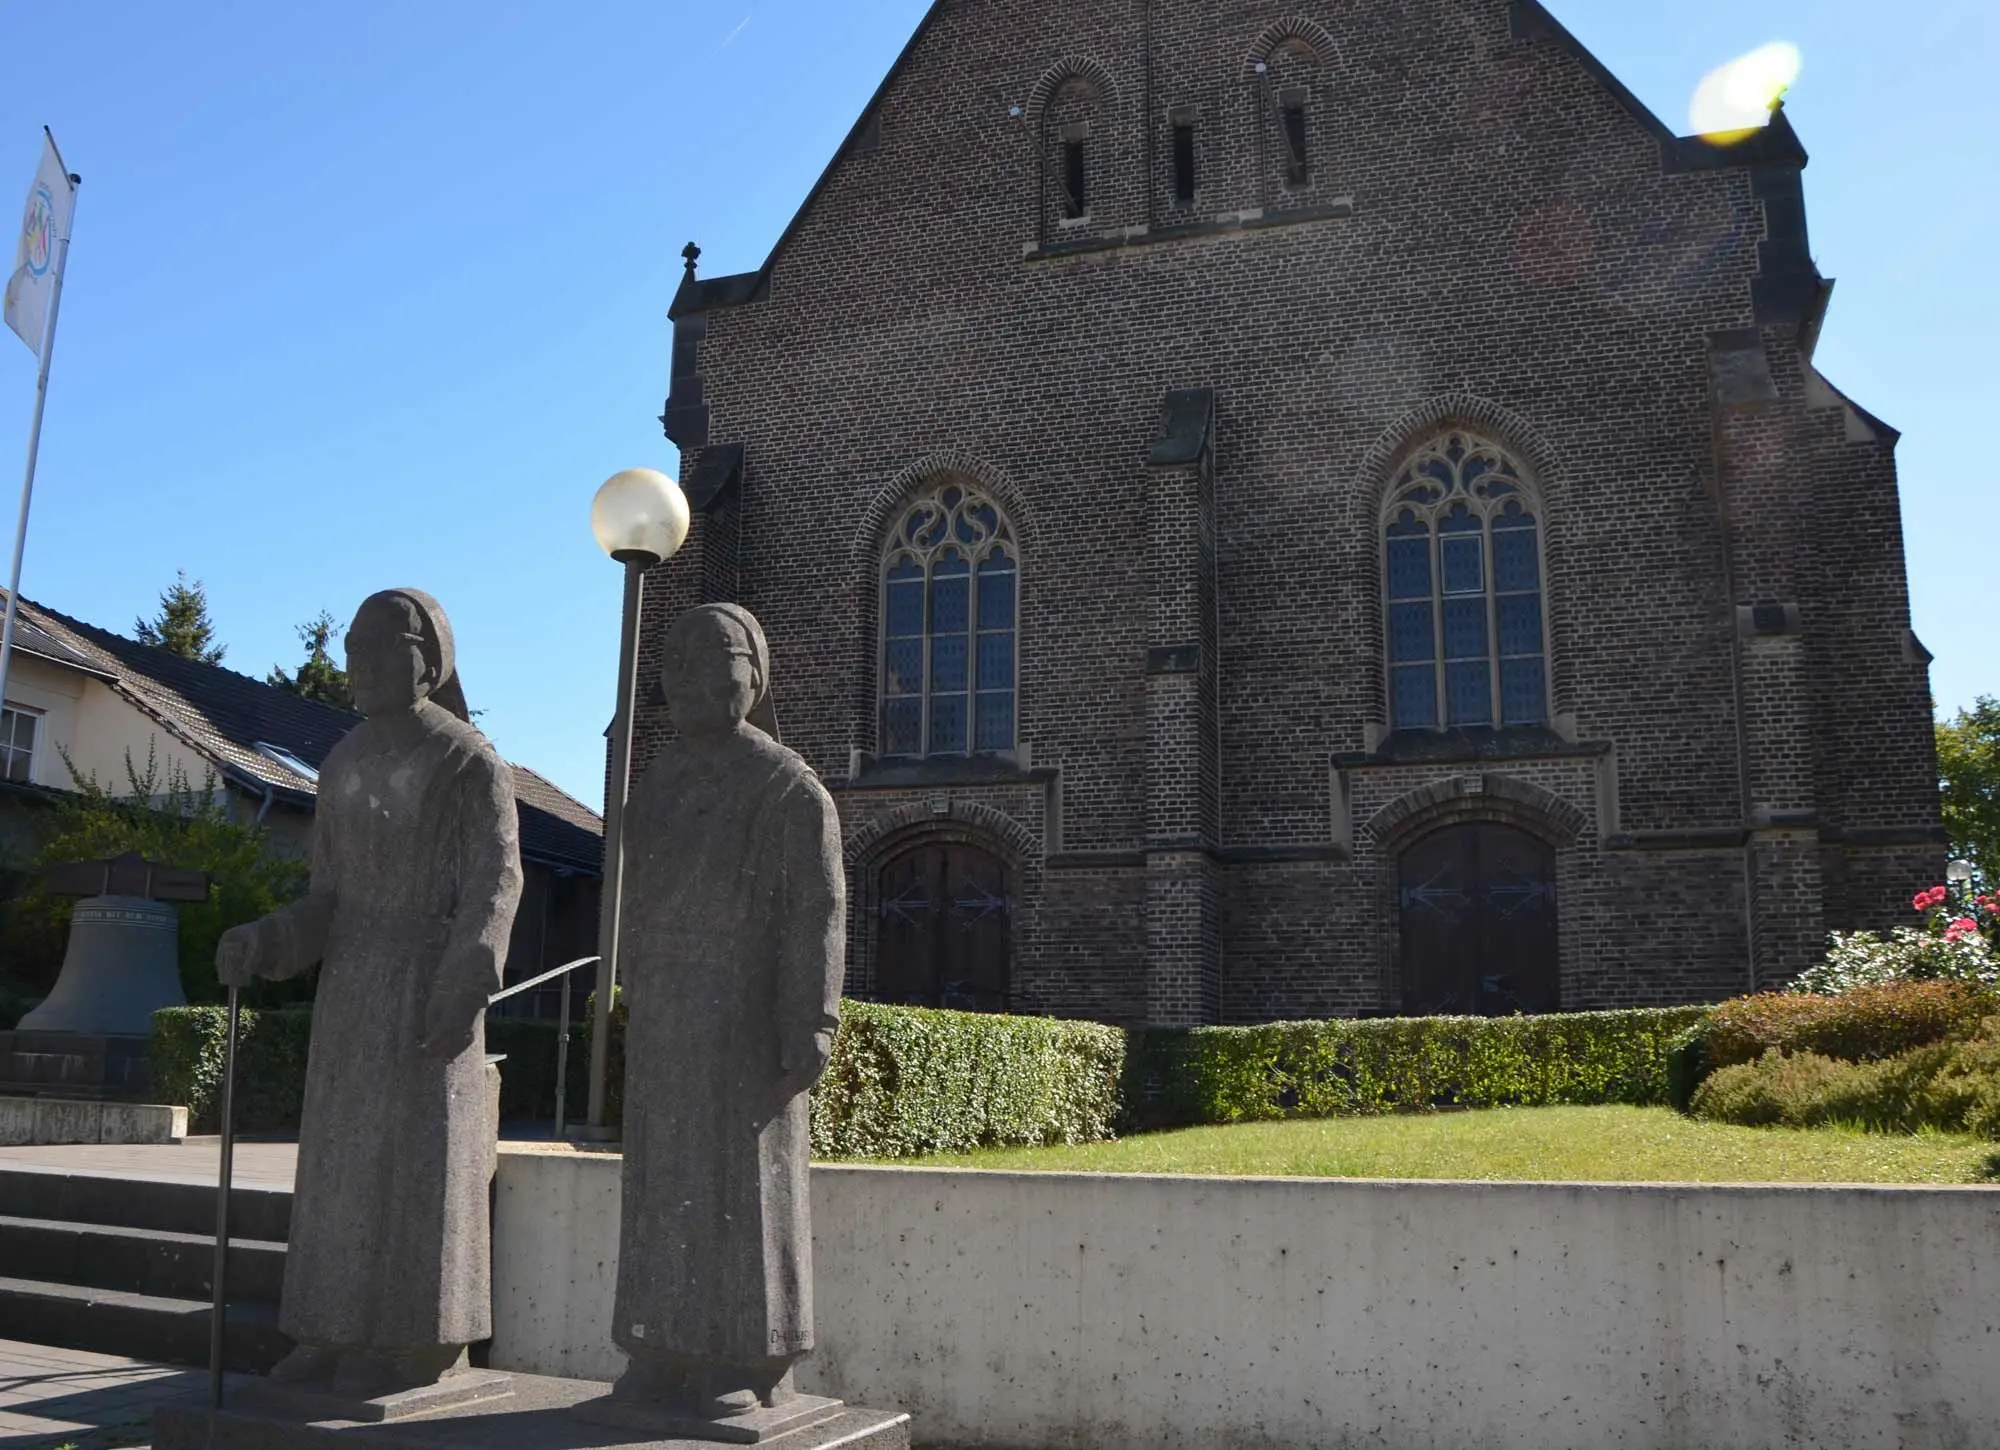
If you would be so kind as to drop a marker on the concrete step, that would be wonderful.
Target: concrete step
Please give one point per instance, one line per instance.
(137, 1260)
(138, 1326)
(187, 1208)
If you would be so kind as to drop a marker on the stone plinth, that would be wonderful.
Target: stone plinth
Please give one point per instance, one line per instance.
(759, 1427)
(539, 1415)
(68, 1120)
(73, 1064)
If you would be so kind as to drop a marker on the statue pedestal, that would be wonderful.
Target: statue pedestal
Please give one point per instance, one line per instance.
(759, 1427)
(538, 1415)
(74, 1064)
(467, 1387)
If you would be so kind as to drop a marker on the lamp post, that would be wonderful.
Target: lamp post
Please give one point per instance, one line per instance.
(640, 517)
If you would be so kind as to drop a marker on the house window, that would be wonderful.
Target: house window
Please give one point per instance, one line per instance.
(1463, 574)
(1075, 180)
(950, 602)
(1292, 130)
(1184, 179)
(17, 743)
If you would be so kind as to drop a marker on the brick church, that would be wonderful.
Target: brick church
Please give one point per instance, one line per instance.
(1267, 512)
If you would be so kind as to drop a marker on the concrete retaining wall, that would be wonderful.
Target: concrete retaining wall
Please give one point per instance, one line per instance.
(1031, 1311)
(70, 1120)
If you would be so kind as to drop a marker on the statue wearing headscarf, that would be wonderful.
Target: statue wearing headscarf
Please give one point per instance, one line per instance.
(415, 877)
(731, 949)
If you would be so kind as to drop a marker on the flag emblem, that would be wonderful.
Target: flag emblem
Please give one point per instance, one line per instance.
(38, 231)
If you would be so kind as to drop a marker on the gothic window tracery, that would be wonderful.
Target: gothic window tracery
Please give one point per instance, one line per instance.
(950, 606)
(1462, 566)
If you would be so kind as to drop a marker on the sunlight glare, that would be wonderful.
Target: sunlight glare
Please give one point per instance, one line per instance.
(1735, 100)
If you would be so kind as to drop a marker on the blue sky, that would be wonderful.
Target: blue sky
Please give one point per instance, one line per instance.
(365, 295)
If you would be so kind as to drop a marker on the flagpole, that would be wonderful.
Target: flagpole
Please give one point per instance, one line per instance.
(35, 427)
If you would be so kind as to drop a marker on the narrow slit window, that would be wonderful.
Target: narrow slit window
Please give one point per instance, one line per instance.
(1076, 194)
(1184, 178)
(1292, 116)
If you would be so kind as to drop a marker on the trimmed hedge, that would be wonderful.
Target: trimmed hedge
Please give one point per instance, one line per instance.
(185, 1057)
(902, 1081)
(906, 1081)
(1197, 1075)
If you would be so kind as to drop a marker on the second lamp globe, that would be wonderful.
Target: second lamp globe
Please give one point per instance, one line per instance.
(639, 516)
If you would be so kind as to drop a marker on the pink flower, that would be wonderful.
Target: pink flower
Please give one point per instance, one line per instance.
(1925, 900)
(1964, 926)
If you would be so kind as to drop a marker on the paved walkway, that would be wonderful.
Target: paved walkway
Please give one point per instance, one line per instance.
(258, 1165)
(52, 1397)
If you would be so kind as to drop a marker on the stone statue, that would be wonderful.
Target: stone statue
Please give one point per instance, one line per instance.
(730, 951)
(416, 872)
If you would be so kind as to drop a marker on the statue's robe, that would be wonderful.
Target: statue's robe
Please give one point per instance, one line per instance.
(416, 874)
(731, 944)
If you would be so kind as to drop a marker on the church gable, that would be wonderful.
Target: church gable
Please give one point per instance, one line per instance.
(1009, 128)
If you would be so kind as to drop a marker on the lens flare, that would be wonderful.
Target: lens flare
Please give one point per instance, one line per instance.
(1736, 100)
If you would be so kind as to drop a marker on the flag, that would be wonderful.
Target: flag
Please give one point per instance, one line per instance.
(44, 224)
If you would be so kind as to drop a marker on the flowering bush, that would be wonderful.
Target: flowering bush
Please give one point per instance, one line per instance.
(1954, 944)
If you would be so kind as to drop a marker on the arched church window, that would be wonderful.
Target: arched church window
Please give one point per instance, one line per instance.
(950, 603)
(1462, 561)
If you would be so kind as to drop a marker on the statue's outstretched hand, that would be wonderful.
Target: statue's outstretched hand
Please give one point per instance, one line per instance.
(802, 1061)
(449, 1019)
(236, 956)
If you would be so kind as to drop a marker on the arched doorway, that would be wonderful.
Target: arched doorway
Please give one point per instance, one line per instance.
(1478, 905)
(943, 936)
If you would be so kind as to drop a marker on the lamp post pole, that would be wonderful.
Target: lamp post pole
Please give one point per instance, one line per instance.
(611, 892)
(640, 518)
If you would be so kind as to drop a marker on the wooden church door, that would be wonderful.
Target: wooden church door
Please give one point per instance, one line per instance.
(943, 936)
(1478, 907)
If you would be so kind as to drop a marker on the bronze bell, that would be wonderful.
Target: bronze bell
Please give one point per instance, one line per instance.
(123, 961)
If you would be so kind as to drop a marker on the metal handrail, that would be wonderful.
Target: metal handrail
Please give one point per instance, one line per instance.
(507, 992)
(562, 1037)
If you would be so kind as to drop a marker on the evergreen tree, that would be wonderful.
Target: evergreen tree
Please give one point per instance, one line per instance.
(183, 626)
(319, 678)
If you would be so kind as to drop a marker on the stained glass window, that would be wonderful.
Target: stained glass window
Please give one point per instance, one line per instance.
(950, 602)
(1463, 583)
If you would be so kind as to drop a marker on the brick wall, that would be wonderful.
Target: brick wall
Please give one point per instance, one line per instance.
(1485, 234)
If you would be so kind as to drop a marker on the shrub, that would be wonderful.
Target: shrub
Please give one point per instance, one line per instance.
(1862, 1024)
(1688, 1063)
(1862, 958)
(902, 1081)
(1952, 1086)
(908, 1080)
(186, 1054)
(1196, 1075)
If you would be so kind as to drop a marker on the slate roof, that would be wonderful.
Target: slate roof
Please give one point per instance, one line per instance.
(223, 716)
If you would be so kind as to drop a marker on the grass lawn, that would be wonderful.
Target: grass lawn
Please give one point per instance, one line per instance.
(1604, 1145)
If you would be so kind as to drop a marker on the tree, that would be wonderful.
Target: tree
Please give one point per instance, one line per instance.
(1968, 750)
(183, 627)
(319, 678)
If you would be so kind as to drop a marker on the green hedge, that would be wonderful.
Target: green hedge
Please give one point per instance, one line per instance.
(907, 1080)
(186, 1062)
(1199, 1075)
(188, 1043)
(902, 1081)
